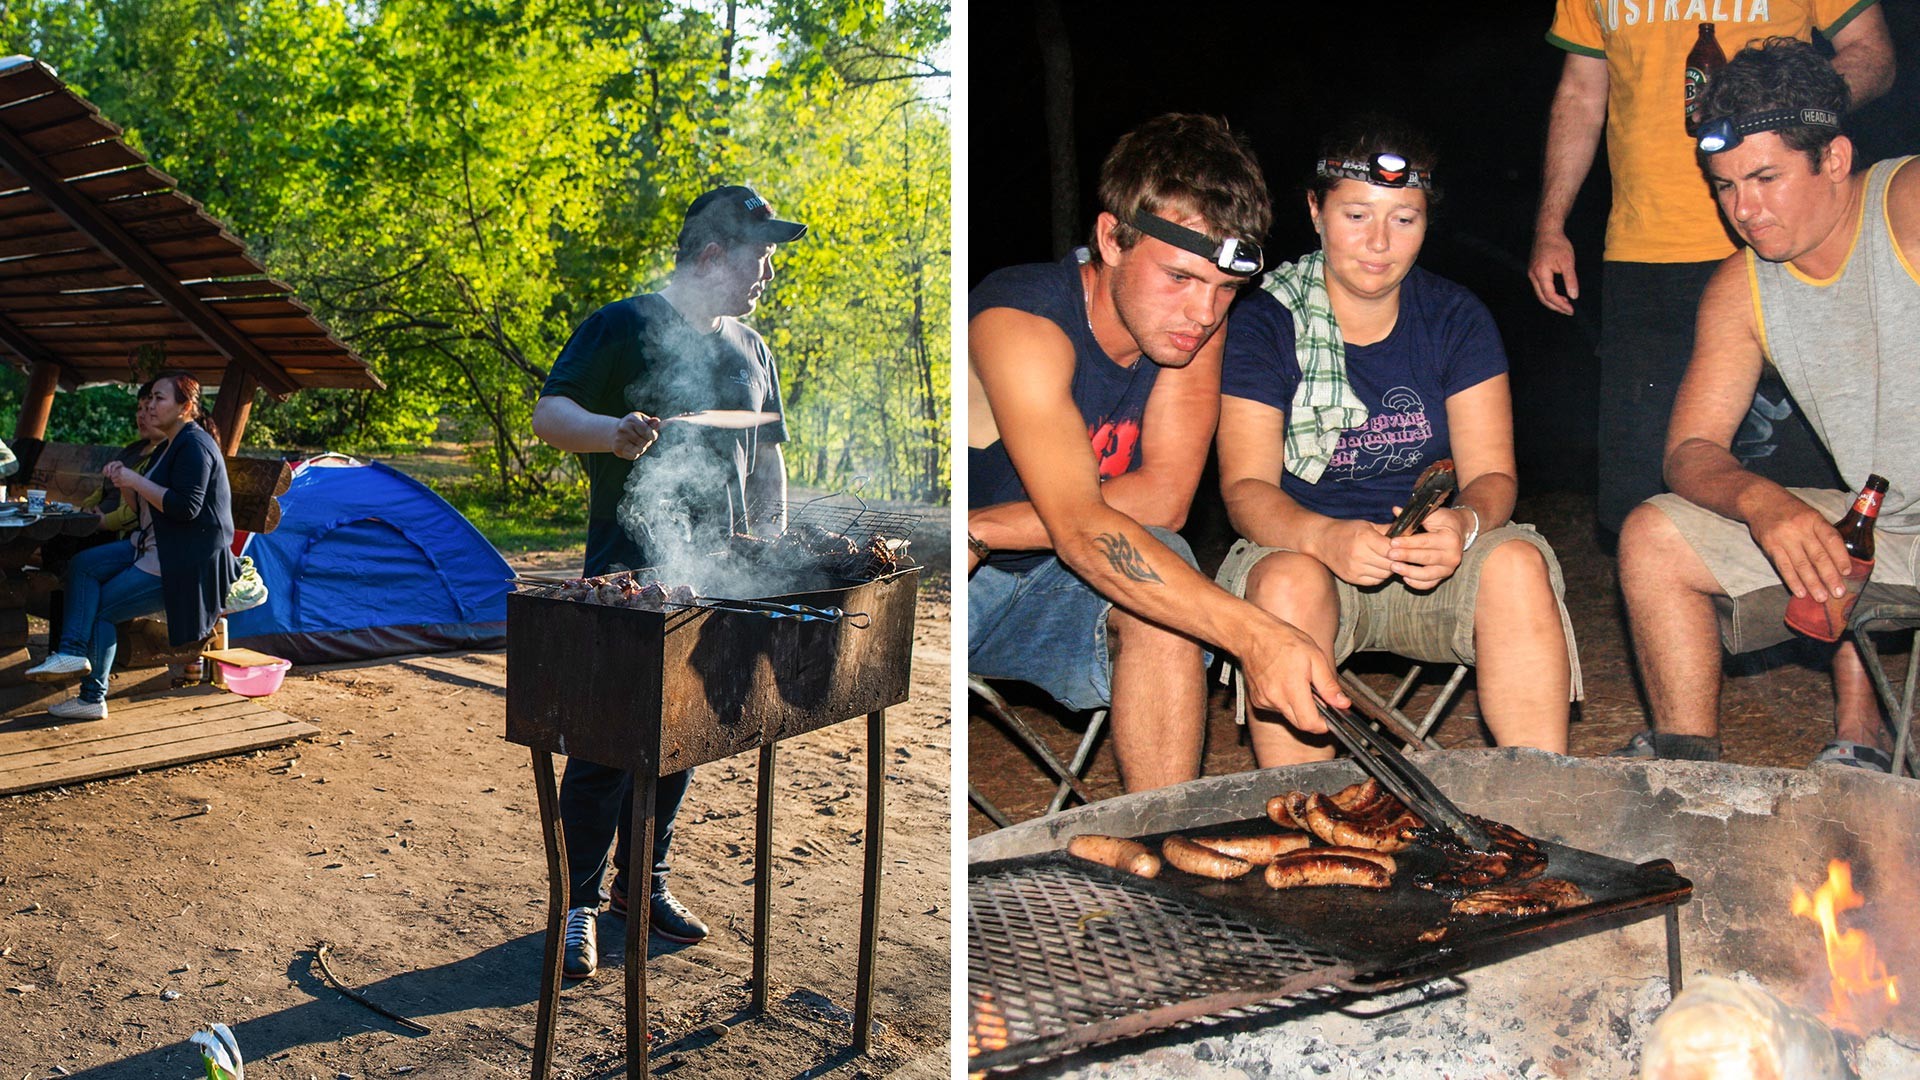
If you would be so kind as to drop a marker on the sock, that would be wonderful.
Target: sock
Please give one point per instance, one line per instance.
(1686, 747)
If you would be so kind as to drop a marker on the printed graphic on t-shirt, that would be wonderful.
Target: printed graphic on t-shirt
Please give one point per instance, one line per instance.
(1115, 444)
(1392, 440)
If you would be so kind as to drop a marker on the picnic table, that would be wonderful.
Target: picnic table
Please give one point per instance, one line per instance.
(21, 536)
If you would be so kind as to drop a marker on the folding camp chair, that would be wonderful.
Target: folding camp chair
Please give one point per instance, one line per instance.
(1067, 774)
(1899, 710)
(1386, 710)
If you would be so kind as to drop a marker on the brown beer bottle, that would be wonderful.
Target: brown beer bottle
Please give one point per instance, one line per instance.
(1827, 620)
(1705, 59)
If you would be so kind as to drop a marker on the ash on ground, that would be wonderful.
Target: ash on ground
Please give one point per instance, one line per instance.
(1542, 1016)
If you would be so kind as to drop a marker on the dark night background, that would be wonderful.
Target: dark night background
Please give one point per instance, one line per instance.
(1479, 78)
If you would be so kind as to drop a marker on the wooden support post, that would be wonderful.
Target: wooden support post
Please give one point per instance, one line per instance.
(551, 960)
(763, 880)
(230, 413)
(870, 879)
(37, 405)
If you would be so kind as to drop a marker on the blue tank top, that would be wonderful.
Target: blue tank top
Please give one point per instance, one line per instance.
(1112, 399)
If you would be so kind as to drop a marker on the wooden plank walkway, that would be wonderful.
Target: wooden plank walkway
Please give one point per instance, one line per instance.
(40, 751)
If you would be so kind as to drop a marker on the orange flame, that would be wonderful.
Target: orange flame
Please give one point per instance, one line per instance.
(1851, 959)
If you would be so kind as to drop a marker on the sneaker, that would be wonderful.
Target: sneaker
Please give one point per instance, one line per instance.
(582, 943)
(59, 667)
(670, 918)
(617, 899)
(76, 709)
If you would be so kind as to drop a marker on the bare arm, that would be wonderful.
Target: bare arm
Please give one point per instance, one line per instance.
(1700, 466)
(565, 424)
(1480, 435)
(1573, 136)
(1252, 449)
(767, 491)
(1178, 424)
(1863, 55)
(1025, 367)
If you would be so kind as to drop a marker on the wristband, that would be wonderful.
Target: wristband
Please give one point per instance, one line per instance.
(1472, 534)
(978, 547)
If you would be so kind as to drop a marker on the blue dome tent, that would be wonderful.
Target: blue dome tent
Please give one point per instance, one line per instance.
(369, 562)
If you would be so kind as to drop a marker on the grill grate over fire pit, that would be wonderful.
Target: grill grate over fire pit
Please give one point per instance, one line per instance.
(1063, 953)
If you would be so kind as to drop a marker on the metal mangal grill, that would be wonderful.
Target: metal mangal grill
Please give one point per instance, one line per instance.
(1064, 954)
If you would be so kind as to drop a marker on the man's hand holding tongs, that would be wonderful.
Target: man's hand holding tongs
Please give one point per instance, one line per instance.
(1284, 670)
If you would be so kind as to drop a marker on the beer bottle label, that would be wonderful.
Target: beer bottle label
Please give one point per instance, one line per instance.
(1868, 504)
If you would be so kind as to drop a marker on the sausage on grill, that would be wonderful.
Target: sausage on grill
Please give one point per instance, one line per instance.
(1304, 868)
(1183, 854)
(1115, 851)
(1333, 825)
(1258, 850)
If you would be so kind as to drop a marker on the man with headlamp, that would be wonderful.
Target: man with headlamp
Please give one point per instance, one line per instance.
(1078, 582)
(1624, 74)
(1826, 292)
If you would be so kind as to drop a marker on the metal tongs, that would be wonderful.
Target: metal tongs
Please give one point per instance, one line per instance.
(1377, 757)
(859, 620)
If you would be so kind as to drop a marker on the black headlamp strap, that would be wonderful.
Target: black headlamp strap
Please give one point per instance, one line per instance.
(1728, 132)
(1774, 119)
(1233, 256)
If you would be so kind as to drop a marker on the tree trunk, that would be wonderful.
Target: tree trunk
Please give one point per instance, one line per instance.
(1063, 173)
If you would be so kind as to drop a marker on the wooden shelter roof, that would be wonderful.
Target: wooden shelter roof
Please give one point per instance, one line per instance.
(100, 255)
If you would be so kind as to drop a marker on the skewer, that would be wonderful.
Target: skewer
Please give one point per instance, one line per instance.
(1376, 756)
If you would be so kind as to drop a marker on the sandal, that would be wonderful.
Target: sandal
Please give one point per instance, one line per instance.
(1855, 755)
(1640, 746)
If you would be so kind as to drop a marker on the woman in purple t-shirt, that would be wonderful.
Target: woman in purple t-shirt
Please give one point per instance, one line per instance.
(1333, 403)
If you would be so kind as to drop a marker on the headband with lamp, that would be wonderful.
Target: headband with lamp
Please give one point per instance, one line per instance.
(1241, 258)
(1381, 170)
(1727, 132)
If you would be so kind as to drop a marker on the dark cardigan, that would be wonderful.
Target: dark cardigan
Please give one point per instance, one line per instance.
(194, 532)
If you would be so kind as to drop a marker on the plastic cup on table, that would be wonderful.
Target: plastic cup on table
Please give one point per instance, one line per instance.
(36, 501)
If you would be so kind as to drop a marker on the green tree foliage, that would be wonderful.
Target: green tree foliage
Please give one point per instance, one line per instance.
(453, 185)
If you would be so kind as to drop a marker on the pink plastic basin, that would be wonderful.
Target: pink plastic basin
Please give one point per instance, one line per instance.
(254, 681)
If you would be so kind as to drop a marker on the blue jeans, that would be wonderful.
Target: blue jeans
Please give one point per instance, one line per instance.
(104, 588)
(1047, 627)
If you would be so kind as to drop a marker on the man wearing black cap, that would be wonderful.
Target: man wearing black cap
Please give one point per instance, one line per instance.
(663, 497)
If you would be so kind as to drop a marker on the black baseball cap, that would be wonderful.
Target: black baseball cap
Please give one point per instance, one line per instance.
(736, 213)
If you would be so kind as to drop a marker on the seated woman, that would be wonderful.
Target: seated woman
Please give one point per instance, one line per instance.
(176, 560)
(1324, 430)
(117, 515)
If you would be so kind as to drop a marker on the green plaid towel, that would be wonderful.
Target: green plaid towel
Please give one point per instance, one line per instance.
(1323, 404)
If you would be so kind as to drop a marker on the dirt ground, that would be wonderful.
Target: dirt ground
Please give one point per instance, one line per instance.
(406, 837)
(1776, 708)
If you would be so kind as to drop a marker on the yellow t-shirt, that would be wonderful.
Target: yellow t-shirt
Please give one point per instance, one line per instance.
(1663, 211)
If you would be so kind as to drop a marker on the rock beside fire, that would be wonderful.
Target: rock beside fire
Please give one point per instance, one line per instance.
(1718, 1029)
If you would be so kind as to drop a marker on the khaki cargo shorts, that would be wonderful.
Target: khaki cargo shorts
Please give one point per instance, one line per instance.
(1432, 627)
(1753, 611)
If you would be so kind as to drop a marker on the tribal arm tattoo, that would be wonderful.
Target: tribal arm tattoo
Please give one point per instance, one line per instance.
(1125, 558)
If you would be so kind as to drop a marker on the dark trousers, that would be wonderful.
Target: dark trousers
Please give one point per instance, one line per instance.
(596, 806)
(1647, 313)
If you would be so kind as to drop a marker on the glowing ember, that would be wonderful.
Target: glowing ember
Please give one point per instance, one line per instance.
(1856, 970)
